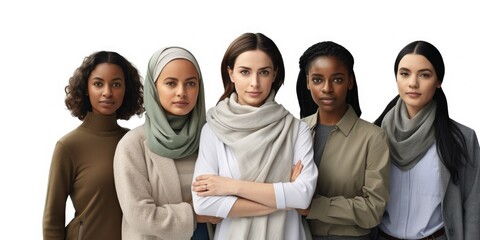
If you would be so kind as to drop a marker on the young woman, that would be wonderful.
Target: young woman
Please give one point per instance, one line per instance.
(154, 162)
(435, 185)
(248, 148)
(106, 87)
(351, 154)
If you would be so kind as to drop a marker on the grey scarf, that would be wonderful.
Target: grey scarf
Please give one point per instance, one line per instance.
(409, 138)
(262, 141)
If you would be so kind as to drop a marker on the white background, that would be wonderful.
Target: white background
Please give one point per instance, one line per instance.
(43, 42)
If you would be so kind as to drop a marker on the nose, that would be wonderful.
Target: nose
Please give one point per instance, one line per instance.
(181, 91)
(254, 80)
(413, 81)
(107, 92)
(327, 87)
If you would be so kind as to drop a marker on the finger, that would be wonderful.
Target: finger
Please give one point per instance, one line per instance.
(204, 177)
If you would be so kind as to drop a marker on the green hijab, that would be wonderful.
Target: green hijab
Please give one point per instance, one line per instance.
(171, 136)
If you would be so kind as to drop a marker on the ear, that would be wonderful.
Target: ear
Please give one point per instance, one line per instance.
(230, 73)
(439, 84)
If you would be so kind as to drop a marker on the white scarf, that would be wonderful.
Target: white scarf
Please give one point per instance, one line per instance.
(262, 141)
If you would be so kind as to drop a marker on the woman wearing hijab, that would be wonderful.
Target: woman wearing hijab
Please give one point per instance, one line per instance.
(154, 163)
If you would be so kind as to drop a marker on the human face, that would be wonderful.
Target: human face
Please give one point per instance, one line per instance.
(178, 87)
(417, 82)
(252, 74)
(329, 81)
(106, 88)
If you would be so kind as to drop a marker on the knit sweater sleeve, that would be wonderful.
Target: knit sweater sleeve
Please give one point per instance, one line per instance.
(61, 178)
(145, 214)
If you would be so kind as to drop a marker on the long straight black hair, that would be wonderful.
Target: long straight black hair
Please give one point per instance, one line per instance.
(451, 145)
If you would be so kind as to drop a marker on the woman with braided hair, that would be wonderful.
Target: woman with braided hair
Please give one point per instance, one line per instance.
(351, 154)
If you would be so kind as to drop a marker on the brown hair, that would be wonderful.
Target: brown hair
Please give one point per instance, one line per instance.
(249, 42)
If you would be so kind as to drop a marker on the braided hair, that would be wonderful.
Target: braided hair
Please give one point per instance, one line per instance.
(451, 145)
(323, 49)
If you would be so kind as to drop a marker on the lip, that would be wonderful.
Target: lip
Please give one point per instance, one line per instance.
(327, 101)
(180, 103)
(107, 102)
(254, 93)
(413, 94)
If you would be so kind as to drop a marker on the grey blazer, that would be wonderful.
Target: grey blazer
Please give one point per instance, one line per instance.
(461, 203)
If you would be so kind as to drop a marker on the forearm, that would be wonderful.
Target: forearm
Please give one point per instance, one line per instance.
(246, 208)
(262, 193)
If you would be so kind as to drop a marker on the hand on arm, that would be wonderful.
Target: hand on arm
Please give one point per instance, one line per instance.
(212, 185)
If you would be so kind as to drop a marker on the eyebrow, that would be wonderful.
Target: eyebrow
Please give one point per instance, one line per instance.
(420, 70)
(262, 68)
(115, 79)
(335, 74)
(176, 79)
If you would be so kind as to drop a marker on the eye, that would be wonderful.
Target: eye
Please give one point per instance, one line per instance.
(171, 83)
(244, 72)
(116, 84)
(264, 73)
(338, 80)
(425, 75)
(317, 80)
(191, 84)
(403, 74)
(97, 83)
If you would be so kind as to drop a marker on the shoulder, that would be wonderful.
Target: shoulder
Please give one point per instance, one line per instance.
(368, 126)
(466, 131)
(72, 137)
(310, 120)
(133, 137)
(207, 131)
(369, 129)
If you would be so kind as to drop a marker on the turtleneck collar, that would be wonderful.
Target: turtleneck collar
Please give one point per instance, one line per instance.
(100, 123)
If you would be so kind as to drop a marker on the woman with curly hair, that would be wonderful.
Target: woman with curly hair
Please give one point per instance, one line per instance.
(106, 87)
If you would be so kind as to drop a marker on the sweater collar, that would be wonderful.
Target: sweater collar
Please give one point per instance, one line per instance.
(100, 123)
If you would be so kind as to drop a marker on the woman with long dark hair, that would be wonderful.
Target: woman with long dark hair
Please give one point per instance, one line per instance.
(435, 190)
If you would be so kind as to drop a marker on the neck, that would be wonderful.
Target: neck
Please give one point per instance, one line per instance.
(331, 117)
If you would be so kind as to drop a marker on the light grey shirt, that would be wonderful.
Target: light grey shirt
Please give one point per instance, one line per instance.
(414, 210)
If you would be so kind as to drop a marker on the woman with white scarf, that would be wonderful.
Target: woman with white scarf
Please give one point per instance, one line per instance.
(255, 162)
(154, 163)
(435, 185)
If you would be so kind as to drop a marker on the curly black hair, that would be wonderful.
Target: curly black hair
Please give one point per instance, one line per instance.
(77, 100)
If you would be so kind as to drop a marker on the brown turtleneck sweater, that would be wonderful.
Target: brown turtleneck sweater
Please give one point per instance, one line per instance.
(82, 168)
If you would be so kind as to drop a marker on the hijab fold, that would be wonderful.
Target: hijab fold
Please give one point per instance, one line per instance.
(167, 135)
